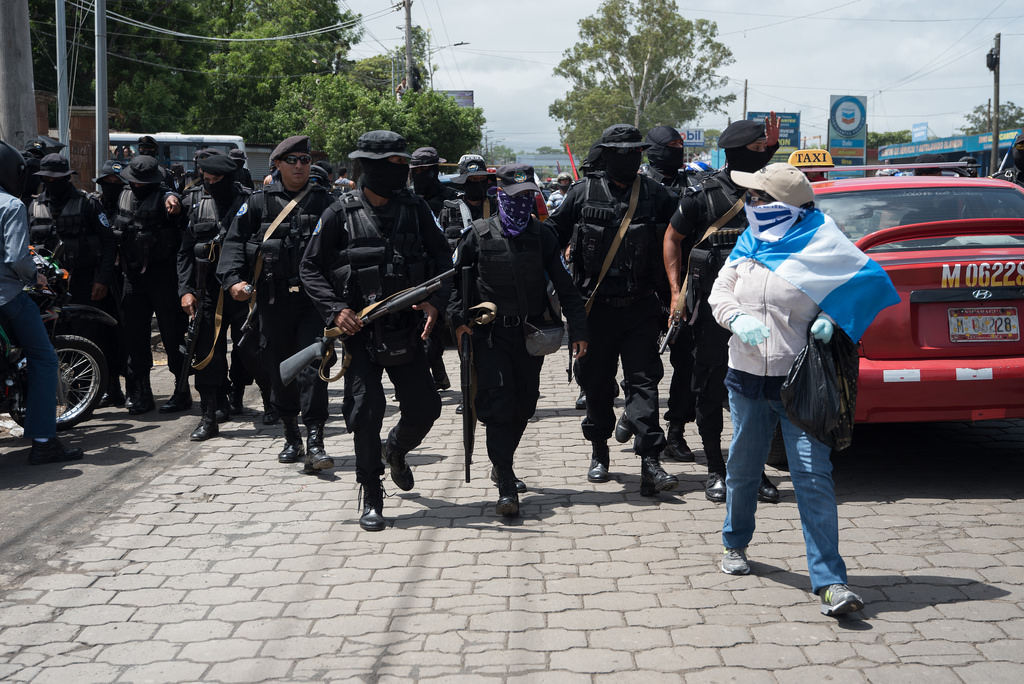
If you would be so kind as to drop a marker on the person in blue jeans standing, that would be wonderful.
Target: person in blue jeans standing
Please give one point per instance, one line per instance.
(18, 269)
(792, 272)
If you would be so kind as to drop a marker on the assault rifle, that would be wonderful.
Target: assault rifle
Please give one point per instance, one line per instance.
(188, 349)
(673, 330)
(324, 346)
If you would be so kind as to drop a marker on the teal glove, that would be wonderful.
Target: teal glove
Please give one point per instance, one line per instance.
(749, 329)
(822, 329)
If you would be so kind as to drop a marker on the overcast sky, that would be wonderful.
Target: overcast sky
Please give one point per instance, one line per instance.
(915, 60)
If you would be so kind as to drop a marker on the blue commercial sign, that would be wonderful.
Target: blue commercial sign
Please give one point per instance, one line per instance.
(919, 132)
(789, 132)
(959, 143)
(848, 129)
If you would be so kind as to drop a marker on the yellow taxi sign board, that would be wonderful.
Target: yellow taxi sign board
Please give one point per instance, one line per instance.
(805, 158)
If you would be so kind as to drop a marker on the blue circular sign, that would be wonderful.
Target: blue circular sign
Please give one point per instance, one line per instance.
(848, 117)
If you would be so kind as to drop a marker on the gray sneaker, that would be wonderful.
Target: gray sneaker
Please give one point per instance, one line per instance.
(837, 599)
(734, 562)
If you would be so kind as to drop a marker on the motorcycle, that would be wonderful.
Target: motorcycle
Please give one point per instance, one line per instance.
(82, 368)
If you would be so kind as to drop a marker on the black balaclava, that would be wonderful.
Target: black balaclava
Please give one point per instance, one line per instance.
(424, 183)
(60, 189)
(384, 177)
(1018, 155)
(667, 160)
(621, 167)
(110, 193)
(747, 160)
(476, 190)
(144, 190)
(222, 193)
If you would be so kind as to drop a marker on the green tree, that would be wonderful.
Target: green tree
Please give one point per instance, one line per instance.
(545, 149)
(878, 139)
(639, 62)
(384, 72)
(980, 119)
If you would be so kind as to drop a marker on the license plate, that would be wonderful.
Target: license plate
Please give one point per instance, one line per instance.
(996, 324)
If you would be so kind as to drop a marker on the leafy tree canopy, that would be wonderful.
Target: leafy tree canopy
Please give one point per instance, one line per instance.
(878, 138)
(980, 119)
(639, 62)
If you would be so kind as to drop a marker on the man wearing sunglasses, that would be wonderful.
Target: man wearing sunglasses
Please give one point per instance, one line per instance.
(615, 220)
(710, 218)
(262, 250)
(1014, 174)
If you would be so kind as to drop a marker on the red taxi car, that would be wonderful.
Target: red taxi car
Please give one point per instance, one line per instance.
(951, 350)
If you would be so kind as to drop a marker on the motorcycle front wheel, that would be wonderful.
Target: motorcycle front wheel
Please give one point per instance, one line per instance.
(81, 380)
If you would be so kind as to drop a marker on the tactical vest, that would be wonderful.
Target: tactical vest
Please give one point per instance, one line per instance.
(630, 272)
(205, 224)
(502, 273)
(143, 234)
(283, 251)
(81, 248)
(709, 254)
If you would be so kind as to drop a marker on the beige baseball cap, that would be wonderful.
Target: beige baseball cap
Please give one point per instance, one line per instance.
(784, 182)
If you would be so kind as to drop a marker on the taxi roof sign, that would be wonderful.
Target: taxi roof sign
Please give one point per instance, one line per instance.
(811, 158)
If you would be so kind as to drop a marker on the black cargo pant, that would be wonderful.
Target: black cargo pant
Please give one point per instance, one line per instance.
(419, 405)
(631, 333)
(710, 364)
(244, 362)
(288, 324)
(508, 386)
(153, 291)
(681, 398)
(110, 339)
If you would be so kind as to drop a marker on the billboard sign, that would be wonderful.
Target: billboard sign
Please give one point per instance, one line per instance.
(789, 132)
(848, 130)
(919, 132)
(464, 98)
(692, 137)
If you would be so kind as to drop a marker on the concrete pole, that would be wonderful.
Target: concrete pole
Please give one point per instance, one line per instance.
(994, 161)
(17, 91)
(408, 44)
(102, 133)
(63, 97)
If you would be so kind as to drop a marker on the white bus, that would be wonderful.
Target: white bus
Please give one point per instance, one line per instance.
(172, 148)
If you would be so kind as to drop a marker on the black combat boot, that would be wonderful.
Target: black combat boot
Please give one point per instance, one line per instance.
(440, 374)
(316, 456)
(508, 497)
(223, 406)
(653, 478)
(677, 448)
(623, 429)
(113, 396)
(599, 463)
(52, 451)
(401, 473)
(236, 403)
(767, 492)
(520, 485)
(270, 416)
(140, 399)
(181, 400)
(293, 451)
(714, 488)
(208, 423)
(581, 401)
(372, 519)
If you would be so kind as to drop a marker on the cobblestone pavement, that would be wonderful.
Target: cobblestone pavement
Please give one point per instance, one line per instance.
(239, 569)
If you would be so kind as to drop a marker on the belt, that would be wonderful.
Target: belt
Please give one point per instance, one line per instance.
(620, 302)
(508, 321)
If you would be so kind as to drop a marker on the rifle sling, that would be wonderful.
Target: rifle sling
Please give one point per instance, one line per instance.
(633, 196)
(266, 236)
(722, 220)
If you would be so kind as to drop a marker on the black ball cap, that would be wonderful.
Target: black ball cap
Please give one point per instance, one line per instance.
(741, 133)
(426, 156)
(622, 135)
(143, 169)
(295, 144)
(218, 165)
(111, 167)
(379, 145)
(54, 166)
(513, 178)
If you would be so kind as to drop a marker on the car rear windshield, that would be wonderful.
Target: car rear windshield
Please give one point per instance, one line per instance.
(862, 212)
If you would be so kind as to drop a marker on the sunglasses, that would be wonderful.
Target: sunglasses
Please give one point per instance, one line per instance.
(291, 159)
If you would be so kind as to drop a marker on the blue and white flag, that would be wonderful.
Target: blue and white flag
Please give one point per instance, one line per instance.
(818, 259)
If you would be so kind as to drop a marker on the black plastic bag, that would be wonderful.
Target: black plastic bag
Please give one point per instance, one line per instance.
(820, 392)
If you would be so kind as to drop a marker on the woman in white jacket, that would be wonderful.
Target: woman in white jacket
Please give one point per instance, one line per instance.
(790, 264)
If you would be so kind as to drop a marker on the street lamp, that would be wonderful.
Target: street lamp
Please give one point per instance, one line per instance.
(431, 53)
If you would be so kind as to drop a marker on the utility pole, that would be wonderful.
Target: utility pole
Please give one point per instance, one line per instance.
(17, 93)
(744, 98)
(992, 60)
(63, 110)
(102, 133)
(408, 44)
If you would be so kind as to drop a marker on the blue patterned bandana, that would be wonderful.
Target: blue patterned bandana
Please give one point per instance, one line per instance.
(515, 212)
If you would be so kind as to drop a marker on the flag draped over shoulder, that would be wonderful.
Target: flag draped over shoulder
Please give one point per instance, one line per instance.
(815, 257)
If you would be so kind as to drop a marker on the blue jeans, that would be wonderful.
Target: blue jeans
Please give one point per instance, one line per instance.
(753, 422)
(41, 402)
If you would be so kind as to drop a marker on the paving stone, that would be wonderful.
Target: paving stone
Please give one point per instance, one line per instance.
(96, 615)
(194, 630)
(591, 660)
(249, 670)
(139, 652)
(166, 671)
(220, 651)
(14, 615)
(79, 673)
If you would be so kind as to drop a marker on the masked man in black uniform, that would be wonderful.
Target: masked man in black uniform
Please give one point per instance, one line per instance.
(148, 233)
(269, 260)
(63, 213)
(665, 157)
(473, 183)
(625, 314)
(512, 256)
(710, 215)
(424, 167)
(1014, 174)
(371, 243)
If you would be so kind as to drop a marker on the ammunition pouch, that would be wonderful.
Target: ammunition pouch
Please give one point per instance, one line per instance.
(394, 338)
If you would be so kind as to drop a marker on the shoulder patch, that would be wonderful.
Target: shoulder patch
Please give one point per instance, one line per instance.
(242, 209)
(319, 225)
(104, 220)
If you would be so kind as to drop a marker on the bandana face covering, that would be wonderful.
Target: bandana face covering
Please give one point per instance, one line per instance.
(514, 211)
(769, 222)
